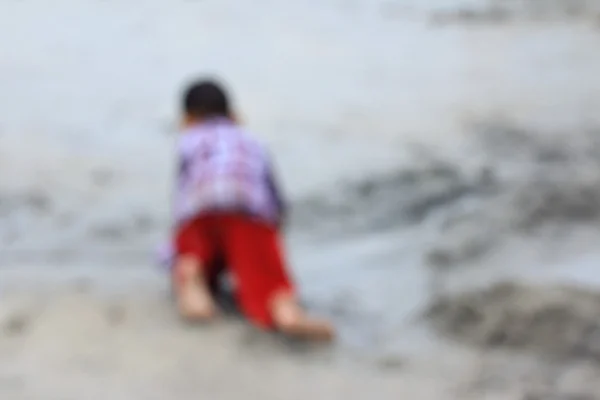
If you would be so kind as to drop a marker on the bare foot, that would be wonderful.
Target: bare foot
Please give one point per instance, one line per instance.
(309, 328)
(293, 321)
(194, 300)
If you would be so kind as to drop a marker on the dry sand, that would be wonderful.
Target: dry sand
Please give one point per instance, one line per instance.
(443, 161)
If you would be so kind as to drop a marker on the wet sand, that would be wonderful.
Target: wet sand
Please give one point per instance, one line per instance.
(442, 159)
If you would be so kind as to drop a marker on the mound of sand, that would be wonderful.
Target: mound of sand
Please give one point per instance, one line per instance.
(557, 321)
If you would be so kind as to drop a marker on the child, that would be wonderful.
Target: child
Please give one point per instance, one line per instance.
(228, 207)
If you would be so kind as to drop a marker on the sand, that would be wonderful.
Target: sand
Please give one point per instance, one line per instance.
(442, 159)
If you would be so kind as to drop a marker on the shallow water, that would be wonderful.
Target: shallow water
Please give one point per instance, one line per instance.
(461, 108)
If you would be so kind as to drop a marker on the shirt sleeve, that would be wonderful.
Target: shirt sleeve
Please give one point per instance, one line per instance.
(182, 159)
(181, 175)
(276, 194)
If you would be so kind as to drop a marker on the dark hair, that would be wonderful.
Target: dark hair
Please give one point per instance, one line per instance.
(206, 99)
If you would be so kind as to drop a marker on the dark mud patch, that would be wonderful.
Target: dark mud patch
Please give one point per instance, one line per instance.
(109, 232)
(21, 209)
(464, 15)
(402, 198)
(507, 11)
(523, 183)
(543, 181)
(33, 201)
(102, 177)
(138, 224)
(16, 324)
(559, 321)
(506, 376)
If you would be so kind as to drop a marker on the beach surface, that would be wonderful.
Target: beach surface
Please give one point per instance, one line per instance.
(442, 157)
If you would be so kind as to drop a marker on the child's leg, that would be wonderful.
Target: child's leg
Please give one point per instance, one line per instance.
(192, 292)
(191, 271)
(265, 290)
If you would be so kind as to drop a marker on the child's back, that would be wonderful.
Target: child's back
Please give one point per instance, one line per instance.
(224, 168)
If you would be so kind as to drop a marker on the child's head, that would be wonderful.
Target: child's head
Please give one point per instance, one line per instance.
(205, 99)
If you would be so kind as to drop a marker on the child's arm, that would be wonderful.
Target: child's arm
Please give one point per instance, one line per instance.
(277, 196)
(183, 160)
(166, 253)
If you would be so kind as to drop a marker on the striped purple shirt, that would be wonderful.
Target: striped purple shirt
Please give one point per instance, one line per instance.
(222, 167)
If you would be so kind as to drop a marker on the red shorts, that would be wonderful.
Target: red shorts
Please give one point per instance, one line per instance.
(253, 254)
